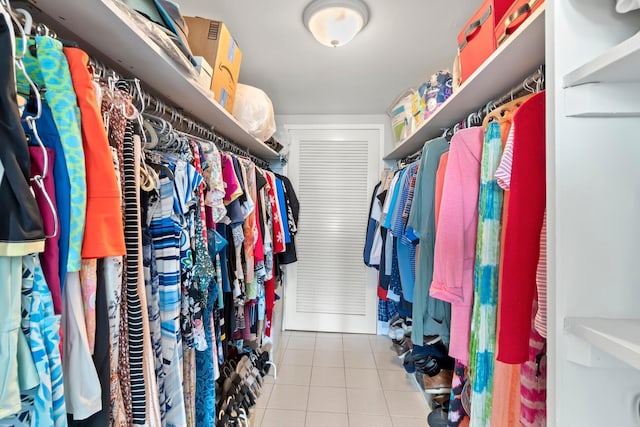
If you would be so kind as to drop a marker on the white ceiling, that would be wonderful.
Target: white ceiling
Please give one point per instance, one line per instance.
(404, 42)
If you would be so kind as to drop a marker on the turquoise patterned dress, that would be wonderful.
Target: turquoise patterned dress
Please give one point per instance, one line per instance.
(483, 322)
(49, 70)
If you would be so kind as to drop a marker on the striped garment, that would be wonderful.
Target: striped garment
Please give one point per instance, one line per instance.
(483, 323)
(541, 282)
(406, 247)
(148, 203)
(412, 190)
(165, 234)
(533, 378)
(186, 183)
(134, 309)
(503, 172)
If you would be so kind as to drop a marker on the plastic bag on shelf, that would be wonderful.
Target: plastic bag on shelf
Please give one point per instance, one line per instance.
(161, 36)
(440, 88)
(457, 74)
(401, 114)
(254, 110)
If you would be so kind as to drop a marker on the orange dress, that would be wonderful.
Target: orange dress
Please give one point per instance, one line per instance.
(104, 231)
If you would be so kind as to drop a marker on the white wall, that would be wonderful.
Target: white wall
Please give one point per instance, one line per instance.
(304, 119)
(592, 212)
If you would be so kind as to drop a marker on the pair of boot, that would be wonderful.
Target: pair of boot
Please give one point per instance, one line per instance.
(434, 363)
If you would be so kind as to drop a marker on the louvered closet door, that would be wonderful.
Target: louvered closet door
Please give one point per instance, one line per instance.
(334, 172)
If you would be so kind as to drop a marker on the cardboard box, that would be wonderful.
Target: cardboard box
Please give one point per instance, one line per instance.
(205, 71)
(213, 41)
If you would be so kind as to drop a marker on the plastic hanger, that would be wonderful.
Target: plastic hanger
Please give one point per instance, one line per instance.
(151, 134)
(500, 113)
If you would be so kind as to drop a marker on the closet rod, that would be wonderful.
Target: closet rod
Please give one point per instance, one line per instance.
(537, 78)
(151, 104)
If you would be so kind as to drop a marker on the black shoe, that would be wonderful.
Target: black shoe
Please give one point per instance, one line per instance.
(438, 418)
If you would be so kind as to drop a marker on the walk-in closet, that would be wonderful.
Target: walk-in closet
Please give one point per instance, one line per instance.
(319, 213)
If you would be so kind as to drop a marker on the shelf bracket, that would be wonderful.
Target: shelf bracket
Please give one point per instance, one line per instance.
(603, 100)
(583, 353)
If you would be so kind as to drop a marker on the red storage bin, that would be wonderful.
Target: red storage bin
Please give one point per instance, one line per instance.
(515, 16)
(477, 41)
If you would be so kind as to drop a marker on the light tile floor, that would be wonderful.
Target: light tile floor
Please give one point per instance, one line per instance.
(338, 380)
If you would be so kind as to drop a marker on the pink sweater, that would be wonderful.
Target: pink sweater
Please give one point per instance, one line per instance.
(456, 236)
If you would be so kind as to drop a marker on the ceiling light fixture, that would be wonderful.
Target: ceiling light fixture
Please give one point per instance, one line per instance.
(335, 23)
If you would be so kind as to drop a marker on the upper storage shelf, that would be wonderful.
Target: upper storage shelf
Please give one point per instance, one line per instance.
(618, 64)
(519, 56)
(113, 35)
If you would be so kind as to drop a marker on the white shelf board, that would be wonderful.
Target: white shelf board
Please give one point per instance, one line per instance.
(115, 38)
(619, 338)
(618, 64)
(514, 60)
(603, 100)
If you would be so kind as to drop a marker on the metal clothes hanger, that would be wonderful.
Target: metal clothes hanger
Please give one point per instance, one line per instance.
(31, 120)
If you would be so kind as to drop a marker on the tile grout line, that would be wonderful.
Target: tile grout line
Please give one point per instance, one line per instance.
(313, 358)
(344, 370)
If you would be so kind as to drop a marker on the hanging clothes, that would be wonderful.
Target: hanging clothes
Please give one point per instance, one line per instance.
(483, 322)
(506, 389)
(50, 70)
(50, 399)
(522, 236)
(165, 234)
(133, 261)
(455, 246)
(103, 232)
(541, 282)
(293, 212)
(22, 231)
(46, 198)
(430, 316)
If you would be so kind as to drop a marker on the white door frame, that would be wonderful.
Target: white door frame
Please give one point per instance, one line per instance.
(291, 270)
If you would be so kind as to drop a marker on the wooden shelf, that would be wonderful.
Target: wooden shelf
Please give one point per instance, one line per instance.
(618, 64)
(619, 338)
(113, 36)
(516, 58)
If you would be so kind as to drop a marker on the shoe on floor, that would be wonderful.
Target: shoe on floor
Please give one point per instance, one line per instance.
(398, 328)
(438, 384)
(396, 333)
(440, 400)
(402, 347)
(438, 418)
